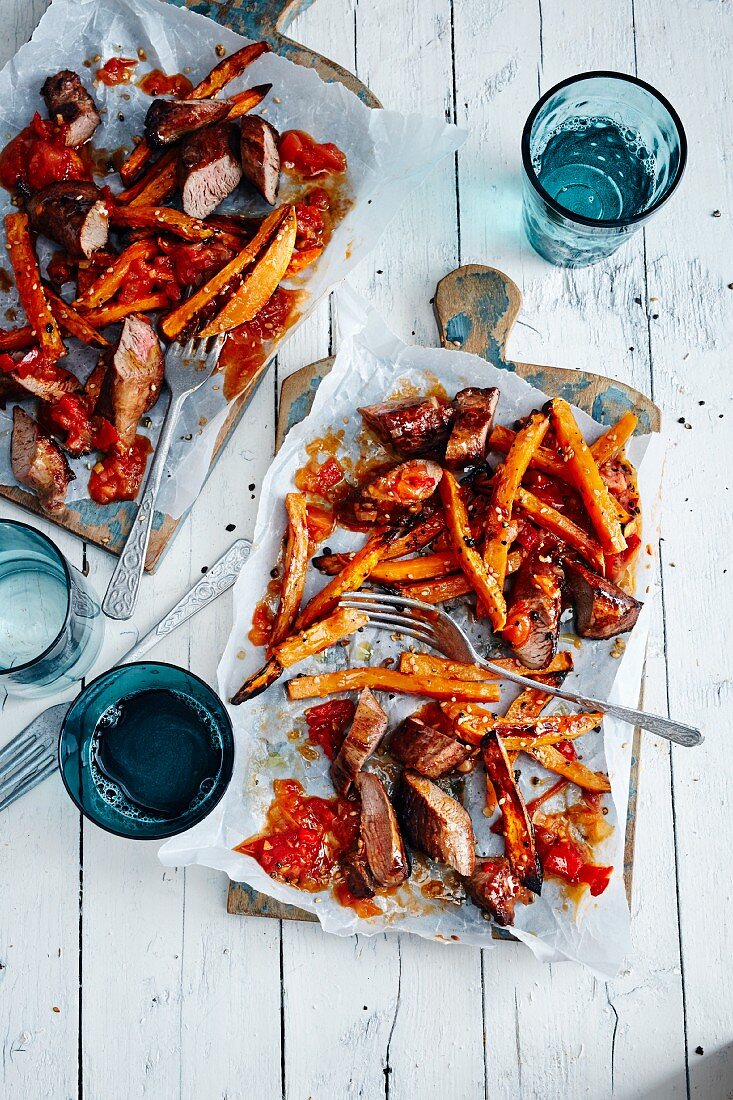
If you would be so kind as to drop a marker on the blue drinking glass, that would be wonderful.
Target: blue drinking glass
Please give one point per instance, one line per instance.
(601, 153)
(51, 624)
(147, 750)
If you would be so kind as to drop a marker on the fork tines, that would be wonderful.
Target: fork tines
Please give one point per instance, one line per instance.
(398, 613)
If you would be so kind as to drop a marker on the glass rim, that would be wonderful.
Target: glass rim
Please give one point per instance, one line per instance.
(67, 574)
(580, 219)
(228, 751)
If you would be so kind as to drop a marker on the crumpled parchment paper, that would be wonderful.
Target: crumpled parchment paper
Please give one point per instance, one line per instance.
(371, 364)
(388, 154)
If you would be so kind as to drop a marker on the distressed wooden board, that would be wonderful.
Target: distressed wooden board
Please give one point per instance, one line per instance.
(475, 308)
(108, 527)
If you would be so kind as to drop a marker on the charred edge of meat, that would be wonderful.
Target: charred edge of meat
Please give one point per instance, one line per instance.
(74, 214)
(208, 169)
(436, 823)
(260, 156)
(385, 850)
(475, 410)
(357, 873)
(416, 427)
(533, 616)
(258, 682)
(367, 730)
(495, 889)
(169, 120)
(39, 463)
(69, 102)
(426, 750)
(602, 609)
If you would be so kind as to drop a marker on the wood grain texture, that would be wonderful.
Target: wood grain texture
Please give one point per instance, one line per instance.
(278, 1011)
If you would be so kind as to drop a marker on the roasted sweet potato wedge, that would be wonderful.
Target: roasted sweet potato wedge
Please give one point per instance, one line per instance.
(464, 546)
(386, 679)
(295, 569)
(518, 832)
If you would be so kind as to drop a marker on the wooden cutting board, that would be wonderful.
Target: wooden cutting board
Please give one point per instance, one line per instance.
(476, 308)
(108, 526)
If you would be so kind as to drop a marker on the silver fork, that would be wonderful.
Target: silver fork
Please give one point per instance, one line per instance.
(433, 627)
(186, 369)
(32, 755)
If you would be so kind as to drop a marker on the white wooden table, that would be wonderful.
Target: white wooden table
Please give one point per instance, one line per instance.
(120, 979)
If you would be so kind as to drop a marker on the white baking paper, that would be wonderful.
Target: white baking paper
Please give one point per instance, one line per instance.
(371, 364)
(388, 154)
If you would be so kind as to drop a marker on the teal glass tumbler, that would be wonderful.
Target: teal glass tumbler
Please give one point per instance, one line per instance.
(146, 751)
(601, 153)
(51, 624)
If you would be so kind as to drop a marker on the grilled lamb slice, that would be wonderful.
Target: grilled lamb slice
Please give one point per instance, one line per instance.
(602, 609)
(367, 730)
(133, 379)
(169, 120)
(494, 888)
(426, 750)
(69, 103)
(47, 380)
(39, 463)
(380, 832)
(475, 410)
(533, 619)
(435, 823)
(357, 873)
(208, 169)
(260, 156)
(415, 427)
(74, 214)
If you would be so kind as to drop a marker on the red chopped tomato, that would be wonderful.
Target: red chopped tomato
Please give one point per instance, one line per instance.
(71, 416)
(38, 156)
(292, 855)
(36, 363)
(330, 473)
(245, 348)
(7, 363)
(105, 435)
(118, 70)
(119, 476)
(193, 263)
(564, 859)
(309, 226)
(60, 269)
(156, 82)
(320, 523)
(302, 154)
(328, 722)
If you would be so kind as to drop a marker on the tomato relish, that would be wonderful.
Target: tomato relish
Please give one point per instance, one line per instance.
(117, 70)
(303, 837)
(564, 857)
(246, 346)
(156, 82)
(83, 433)
(328, 724)
(302, 155)
(39, 156)
(119, 476)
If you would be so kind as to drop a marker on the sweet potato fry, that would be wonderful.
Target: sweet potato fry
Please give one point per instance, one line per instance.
(471, 562)
(417, 538)
(473, 723)
(450, 587)
(31, 291)
(427, 567)
(560, 525)
(586, 478)
(155, 185)
(614, 439)
(300, 260)
(505, 483)
(577, 773)
(228, 69)
(110, 315)
(348, 580)
(16, 339)
(517, 827)
(136, 162)
(297, 647)
(246, 101)
(186, 314)
(163, 218)
(296, 566)
(428, 664)
(386, 679)
(112, 278)
(260, 283)
(74, 323)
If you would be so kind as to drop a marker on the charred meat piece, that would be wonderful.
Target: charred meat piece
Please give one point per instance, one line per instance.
(533, 618)
(208, 169)
(43, 378)
(495, 889)
(602, 609)
(69, 103)
(426, 750)
(416, 427)
(357, 873)
(475, 410)
(74, 214)
(435, 823)
(367, 730)
(380, 833)
(10, 389)
(405, 485)
(169, 120)
(260, 156)
(133, 379)
(38, 463)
